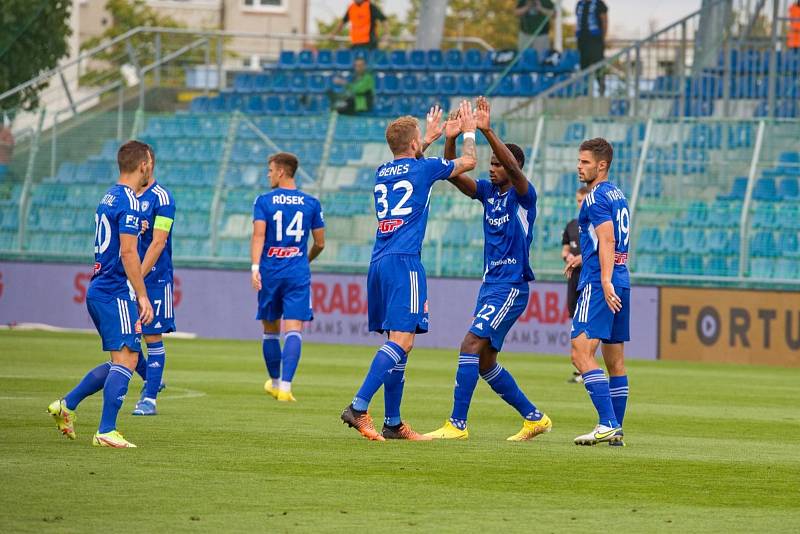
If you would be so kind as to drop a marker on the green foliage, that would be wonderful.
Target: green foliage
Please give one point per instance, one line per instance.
(33, 38)
(222, 456)
(126, 15)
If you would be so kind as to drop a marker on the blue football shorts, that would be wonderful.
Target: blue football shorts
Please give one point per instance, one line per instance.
(397, 294)
(286, 298)
(595, 318)
(163, 310)
(117, 322)
(498, 307)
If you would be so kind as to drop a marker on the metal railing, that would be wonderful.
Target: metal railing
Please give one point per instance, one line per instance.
(682, 69)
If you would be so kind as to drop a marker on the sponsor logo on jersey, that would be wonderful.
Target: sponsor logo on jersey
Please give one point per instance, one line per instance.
(497, 221)
(97, 267)
(620, 258)
(504, 261)
(283, 252)
(288, 199)
(387, 226)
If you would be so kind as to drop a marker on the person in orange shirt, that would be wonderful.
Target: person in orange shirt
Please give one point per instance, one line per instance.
(793, 35)
(364, 19)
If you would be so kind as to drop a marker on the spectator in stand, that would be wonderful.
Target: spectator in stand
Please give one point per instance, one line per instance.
(534, 25)
(359, 91)
(591, 29)
(364, 19)
(793, 35)
(6, 147)
(571, 254)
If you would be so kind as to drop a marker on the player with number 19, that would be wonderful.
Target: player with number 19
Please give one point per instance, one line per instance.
(283, 220)
(603, 311)
(397, 298)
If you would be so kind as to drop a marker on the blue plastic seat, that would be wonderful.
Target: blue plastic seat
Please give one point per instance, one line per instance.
(672, 240)
(789, 189)
(787, 269)
(695, 241)
(298, 83)
(454, 60)
(390, 84)
(319, 83)
(273, 105)
(762, 244)
(647, 263)
(670, 264)
(765, 190)
(434, 60)
(305, 59)
(325, 59)
(398, 60)
(474, 60)
(410, 84)
(466, 85)
(717, 266)
(447, 84)
(417, 60)
(527, 85)
(287, 59)
(738, 189)
(343, 59)
(763, 216)
(262, 83)
(692, 264)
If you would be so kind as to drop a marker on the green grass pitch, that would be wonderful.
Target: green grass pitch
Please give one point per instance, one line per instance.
(710, 448)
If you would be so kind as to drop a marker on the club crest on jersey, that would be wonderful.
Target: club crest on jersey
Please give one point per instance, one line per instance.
(145, 205)
(283, 252)
(387, 226)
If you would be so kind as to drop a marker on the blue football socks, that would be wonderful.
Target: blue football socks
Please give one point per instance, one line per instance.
(504, 385)
(596, 384)
(114, 391)
(89, 385)
(141, 366)
(292, 345)
(618, 387)
(393, 385)
(389, 355)
(466, 380)
(156, 357)
(271, 349)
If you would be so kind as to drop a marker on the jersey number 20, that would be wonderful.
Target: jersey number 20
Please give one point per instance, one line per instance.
(102, 233)
(383, 205)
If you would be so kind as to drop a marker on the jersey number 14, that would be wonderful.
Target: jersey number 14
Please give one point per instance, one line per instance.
(295, 228)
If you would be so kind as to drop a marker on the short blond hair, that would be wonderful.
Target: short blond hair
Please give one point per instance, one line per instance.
(401, 132)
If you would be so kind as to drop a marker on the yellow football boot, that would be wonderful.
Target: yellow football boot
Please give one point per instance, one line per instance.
(448, 431)
(531, 429)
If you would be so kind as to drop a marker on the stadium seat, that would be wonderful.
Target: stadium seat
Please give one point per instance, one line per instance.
(454, 60)
(762, 244)
(417, 60)
(737, 191)
(287, 59)
(324, 60)
(765, 190)
(434, 60)
(398, 60)
(447, 85)
(343, 59)
(692, 264)
(410, 84)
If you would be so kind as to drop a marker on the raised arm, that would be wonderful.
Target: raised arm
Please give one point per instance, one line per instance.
(501, 151)
(433, 127)
(452, 129)
(469, 155)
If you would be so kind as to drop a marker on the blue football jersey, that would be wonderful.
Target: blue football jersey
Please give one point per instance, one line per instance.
(290, 215)
(507, 232)
(605, 202)
(156, 201)
(402, 201)
(118, 213)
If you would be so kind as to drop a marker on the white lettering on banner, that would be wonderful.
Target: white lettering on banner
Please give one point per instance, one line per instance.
(339, 302)
(288, 199)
